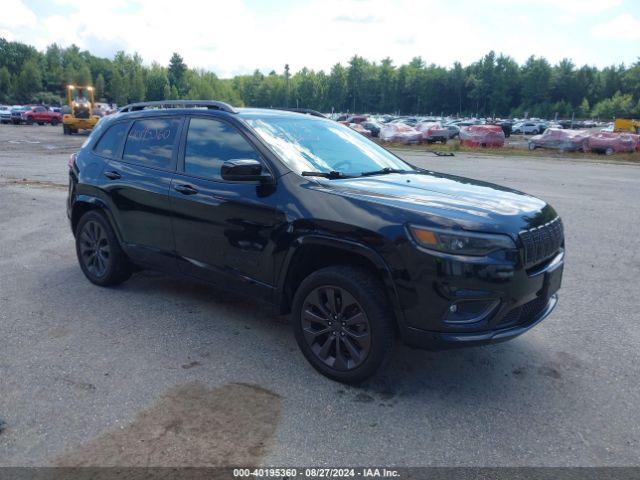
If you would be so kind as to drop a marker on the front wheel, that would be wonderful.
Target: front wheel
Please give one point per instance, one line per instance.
(101, 259)
(608, 151)
(343, 323)
(532, 146)
(54, 122)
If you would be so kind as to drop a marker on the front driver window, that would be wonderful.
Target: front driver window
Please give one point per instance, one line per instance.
(210, 143)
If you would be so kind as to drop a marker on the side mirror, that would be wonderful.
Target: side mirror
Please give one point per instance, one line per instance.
(244, 170)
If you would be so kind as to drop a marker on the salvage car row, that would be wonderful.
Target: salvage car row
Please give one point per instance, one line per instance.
(480, 133)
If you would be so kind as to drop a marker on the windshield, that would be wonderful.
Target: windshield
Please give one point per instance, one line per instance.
(310, 144)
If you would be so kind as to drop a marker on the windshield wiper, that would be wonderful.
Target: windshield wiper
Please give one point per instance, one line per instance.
(386, 170)
(331, 175)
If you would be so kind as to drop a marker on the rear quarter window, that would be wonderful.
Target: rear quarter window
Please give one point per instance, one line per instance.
(150, 142)
(109, 144)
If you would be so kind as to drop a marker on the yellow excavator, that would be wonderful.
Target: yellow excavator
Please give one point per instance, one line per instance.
(78, 114)
(626, 125)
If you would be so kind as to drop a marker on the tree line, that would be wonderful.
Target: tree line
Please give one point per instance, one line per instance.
(495, 85)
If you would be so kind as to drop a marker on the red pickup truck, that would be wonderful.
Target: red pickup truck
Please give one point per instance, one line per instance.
(41, 115)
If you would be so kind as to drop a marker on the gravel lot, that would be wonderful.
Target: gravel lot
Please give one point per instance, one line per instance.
(163, 371)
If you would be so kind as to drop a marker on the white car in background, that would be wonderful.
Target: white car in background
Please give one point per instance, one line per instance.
(5, 114)
(526, 128)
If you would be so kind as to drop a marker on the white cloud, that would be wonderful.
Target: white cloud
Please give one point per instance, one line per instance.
(624, 26)
(16, 14)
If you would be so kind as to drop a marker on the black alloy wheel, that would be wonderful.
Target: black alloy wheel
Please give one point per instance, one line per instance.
(95, 252)
(343, 322)
(101, 258)
(336, 328)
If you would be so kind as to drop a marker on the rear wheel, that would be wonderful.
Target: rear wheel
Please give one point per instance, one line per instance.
(101, 259)
(608, 151)
(343, 323)
(54, 122)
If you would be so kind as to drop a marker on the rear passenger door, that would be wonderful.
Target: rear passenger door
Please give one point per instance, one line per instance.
(137, 177)
(222, 229)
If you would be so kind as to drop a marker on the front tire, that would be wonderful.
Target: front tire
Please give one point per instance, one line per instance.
(99, 253)
(343, 323)
(54, 122)
(532, 146)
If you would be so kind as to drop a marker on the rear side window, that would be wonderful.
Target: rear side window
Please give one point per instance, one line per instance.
(150, 142)
(210, 143)
(109, 144)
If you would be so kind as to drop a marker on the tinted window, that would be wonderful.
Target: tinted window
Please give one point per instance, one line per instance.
(150, 142)
(210, 143)
(109, 144)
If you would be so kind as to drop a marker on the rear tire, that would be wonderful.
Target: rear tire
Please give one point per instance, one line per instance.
(99, 253)
(343, 323)
(54, 122)
(608, 151)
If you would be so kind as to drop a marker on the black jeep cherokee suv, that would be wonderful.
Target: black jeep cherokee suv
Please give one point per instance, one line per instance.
(310, 216)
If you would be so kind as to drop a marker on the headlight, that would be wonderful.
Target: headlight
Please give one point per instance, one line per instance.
(459, 242)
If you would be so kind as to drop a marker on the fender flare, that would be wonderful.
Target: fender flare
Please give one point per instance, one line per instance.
(350, 246)
(99, 204)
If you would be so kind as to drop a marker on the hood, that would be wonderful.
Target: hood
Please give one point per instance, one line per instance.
(448, 201)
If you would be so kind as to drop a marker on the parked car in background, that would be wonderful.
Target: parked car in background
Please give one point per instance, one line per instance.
(5, 114)
(373, 126)
(543, 126)
(16, 114)
(507, 128)
(482, 136)
(357, 119)
(562, 140)
(40, 114)
(452, 130)
(433, 132)
(359, 128)
(400, 132)
(613, 142)
(526, 128)
(411, 121)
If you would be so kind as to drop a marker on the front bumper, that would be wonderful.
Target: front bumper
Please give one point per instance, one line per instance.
(439, 340)
(510, 298)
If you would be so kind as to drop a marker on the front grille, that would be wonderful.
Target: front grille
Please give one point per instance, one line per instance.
(542, 242)
(524, 313)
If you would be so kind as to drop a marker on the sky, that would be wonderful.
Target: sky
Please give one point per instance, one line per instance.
(233, 37)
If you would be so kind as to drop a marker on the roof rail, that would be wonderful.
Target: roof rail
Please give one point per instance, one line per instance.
(209, 104)
(307, 111)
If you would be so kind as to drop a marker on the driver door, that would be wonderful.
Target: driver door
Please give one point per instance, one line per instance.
(222, 229)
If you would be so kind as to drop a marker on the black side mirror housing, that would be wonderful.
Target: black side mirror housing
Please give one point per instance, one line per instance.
(244, 170)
